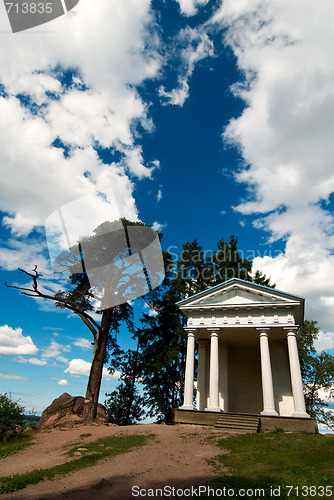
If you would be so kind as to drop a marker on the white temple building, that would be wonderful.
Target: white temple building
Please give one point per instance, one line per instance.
(248, 359)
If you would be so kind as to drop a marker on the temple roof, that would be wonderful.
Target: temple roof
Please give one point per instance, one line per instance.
(240, 293)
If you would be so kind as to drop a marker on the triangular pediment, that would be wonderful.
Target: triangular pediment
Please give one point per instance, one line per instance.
(238, 293)
(236, 297)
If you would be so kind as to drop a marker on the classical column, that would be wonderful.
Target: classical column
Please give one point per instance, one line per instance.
(296, 378)
(201, 375)
(189, 375)
(214, 371)
(223, 376)
(267, 377)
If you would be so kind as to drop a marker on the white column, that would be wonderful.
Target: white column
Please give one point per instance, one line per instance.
(201, 392)
(189, 375)
(296, 377)
(223, 376)
(267, 377)
(214, 372)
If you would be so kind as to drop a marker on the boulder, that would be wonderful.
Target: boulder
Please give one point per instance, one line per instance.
(66, 411)
(69, 421)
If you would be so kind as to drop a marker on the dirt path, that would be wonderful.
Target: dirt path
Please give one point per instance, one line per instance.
(175, 458)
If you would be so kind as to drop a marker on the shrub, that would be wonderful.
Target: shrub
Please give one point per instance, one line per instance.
(11, 415)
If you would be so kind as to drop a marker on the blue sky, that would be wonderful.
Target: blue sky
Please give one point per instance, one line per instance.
(204, 118)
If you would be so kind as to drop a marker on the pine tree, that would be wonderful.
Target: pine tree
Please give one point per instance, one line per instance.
(106, 245)
(125, 405)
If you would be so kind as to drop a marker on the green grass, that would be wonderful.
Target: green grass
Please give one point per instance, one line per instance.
(16, 442)
(276, 460)
(95, 451)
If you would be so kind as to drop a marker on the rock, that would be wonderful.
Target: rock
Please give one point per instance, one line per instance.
(49, 422)
(66, 411)
(69, 421)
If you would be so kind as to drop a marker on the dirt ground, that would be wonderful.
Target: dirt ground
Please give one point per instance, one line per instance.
(175, 458)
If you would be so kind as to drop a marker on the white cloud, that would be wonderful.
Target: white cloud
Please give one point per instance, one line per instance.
(189, 7)
(99, 107)
(151, 310)
(13, 342)
(55, 351)
(325, 341)
(62, 359)
(325, 395)
(156, 226)
(24, 254)
(79, 367)
(63, 381)
(196, 47)
(159, 195)
(285, 137)
(37, 362)
(11, 376)
(84, 343)
(64, 179)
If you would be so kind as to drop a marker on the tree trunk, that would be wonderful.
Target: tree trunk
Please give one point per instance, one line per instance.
(95, 375)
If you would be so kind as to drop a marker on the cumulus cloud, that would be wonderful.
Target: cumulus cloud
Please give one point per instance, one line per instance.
(55, 351)
(84, 343)
(156, 226)
(324, 342)
(60, 104)
(194, 45)
(63, 381)
(24, 254)
(79, 367)
(12, 341)
(37, 362)
(190, 7)
(285, 137)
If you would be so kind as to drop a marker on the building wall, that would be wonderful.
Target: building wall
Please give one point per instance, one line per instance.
(244, 379)
(281, 378)
(240, 383)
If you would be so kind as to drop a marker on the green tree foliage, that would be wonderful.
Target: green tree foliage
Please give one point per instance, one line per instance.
(11, 415)
(162, 370)
(317, 373)
(125, 406)
(193, 270)
(228, 263)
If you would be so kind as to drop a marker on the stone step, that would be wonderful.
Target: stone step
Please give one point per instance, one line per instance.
(226, 430)
(235, 423)
(238, 424)
(237, 415)
(237, 427)
(236, 418)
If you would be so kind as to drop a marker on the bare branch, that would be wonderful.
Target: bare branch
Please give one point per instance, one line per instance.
(68, 304)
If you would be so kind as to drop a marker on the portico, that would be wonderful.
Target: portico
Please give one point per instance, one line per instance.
(247, 351)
